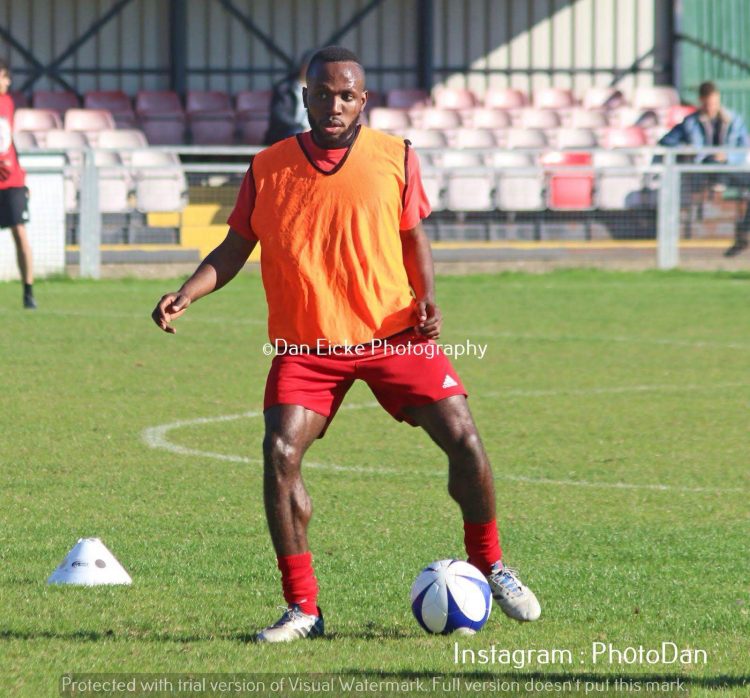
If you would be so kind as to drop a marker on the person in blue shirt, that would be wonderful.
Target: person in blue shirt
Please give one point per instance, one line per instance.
(712, 125)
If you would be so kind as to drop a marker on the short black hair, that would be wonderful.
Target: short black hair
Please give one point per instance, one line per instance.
(334, 54)
(4, 67)
(707, 89)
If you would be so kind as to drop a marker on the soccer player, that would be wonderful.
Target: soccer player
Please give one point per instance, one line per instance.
(345, 262)
(13, 193)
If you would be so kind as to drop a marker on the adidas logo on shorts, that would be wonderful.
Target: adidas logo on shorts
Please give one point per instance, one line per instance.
(449, 382)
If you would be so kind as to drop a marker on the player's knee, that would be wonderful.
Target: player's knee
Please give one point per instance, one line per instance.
(281, 456)
(465, 448)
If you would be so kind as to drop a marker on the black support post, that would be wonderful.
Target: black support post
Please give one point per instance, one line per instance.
(178, 46)
(426, 44)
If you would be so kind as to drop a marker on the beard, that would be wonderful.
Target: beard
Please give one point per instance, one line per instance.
(325, 140)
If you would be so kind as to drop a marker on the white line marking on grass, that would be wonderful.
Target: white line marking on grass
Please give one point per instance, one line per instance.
(146, 316)
(157, 438)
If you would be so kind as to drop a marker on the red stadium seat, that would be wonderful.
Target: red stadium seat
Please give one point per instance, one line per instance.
(576, 138)
(160, 183)
(161, 117)
(253, 101)
(426, 139)
(25, 140)
(490, 118)
(588, 118)
(407, 99)
(114, 101)
(454, 98)
(526, 138)
(36, 121)
(253, 131)
(55, 100)
(211, 117)
(504, 98)
(20, 101)
(475, 138)
(569, 189)
(519, 187)
(628, 137)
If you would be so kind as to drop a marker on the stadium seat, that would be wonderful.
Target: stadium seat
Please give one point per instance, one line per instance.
(72, 142)
(55, 100)
(504, 98)
(517, 191)
(569, 189)
(490, 119)
(25, 140)
(470, 192)
(656, 97)
(433, 118)
(433, 183)
(161, 117)
(116, 102)
(114, 183)
(387, 119)
(124, 141)
(677, 113)
(553, 98)
(616, 190)
(160, 183)
(588, 118)
(375, 98)
(475, 138)
(35, 120)
(533, 117)
(603, 98)
(253, 101)
(451, 159)
(576, 138)
(526, 138)
(20, 101)
(426, 139)
(407, 99)
(253, 131)
(454, 98)
(628, 137)
(90, 121)
(211, 117)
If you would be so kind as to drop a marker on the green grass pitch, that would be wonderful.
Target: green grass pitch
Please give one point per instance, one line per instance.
(614, 407)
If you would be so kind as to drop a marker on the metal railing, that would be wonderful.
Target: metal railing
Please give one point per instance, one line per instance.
(680, 183)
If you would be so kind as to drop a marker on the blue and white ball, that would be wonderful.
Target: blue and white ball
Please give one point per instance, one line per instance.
(451, 596)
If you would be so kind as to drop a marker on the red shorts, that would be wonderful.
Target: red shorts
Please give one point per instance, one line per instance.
(406, 370)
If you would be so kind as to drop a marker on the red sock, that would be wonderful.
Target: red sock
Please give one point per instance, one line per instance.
(298, 581)
(482, 544)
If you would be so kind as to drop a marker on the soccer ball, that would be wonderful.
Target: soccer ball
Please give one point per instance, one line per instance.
(451, 596)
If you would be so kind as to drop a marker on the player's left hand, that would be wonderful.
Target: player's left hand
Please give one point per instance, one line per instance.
(429, 319)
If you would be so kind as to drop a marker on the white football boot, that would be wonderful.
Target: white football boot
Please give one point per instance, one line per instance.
(516, 600)
(293, 625)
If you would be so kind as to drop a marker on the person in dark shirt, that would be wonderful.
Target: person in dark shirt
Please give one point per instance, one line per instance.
(288, 114)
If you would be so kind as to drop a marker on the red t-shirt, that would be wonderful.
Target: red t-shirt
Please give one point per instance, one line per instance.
(416, 205)
(7, 149)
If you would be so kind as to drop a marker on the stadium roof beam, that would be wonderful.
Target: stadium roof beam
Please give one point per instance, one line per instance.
(256, 31)
(353, 22)
(31, 58)
(51, 68)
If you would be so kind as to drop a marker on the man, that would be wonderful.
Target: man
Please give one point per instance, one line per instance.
(13, 193)
(712, 125)
(337, 211)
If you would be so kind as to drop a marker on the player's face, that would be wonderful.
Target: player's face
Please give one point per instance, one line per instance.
(335, 96)
(4, 81)
(711, 104)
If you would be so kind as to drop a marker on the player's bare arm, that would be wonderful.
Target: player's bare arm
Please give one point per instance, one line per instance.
(421, 273)
(215, 271)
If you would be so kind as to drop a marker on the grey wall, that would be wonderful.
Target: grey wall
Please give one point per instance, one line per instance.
(524, 43)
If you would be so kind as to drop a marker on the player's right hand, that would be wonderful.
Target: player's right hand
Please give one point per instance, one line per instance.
(169, 308)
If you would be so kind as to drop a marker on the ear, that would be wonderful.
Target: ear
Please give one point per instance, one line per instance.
(364, 98)
(304, 96)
